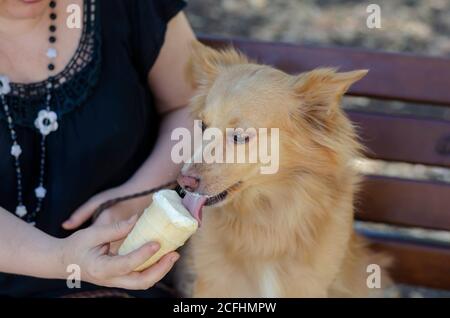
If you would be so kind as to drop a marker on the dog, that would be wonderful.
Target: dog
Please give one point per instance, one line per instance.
(287, 234)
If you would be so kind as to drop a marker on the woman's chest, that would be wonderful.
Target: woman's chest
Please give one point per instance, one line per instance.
(107, 125)
(25, 51)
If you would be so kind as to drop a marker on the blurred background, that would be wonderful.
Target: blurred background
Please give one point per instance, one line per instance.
(416, 26)
(419, 27)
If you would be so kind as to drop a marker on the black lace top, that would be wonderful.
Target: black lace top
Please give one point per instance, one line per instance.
(107, 121)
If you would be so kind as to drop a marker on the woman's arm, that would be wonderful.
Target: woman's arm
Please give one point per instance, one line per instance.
(167, 81)
(172, 92)
(25, 250)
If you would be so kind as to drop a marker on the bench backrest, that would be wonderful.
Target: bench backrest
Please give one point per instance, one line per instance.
(404, 138)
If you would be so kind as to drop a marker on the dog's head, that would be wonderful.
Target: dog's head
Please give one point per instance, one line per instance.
(306, 129)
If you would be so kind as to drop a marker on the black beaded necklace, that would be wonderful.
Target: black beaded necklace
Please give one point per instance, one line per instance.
(46, 122)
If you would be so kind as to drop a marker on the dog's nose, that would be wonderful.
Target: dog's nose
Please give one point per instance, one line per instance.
(189, 183)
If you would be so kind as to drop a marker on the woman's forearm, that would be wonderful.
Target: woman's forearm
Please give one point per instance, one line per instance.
(159, 168)
(26, 250)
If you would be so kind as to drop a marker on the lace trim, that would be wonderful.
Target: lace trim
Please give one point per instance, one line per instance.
(72, 86)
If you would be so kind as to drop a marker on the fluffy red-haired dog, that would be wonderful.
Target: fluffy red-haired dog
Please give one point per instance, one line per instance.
(287, 234)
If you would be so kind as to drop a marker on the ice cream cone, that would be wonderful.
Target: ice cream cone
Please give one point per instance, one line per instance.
(165, 221)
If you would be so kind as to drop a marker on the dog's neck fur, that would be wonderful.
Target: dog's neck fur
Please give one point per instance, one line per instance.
(258, 213)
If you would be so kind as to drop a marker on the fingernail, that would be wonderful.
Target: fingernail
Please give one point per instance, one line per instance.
(173, 259)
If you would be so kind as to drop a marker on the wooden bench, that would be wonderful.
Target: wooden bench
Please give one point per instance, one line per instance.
(399, 138)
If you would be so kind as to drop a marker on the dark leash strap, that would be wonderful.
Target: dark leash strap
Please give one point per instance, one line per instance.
(110, 203)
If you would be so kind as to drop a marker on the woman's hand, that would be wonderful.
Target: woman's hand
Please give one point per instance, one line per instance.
(119, 212)
(90, 249)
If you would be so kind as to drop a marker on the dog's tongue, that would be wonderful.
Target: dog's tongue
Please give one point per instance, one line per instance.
(194, 204)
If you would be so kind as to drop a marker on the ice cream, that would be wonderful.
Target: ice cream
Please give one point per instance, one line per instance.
(165, 221)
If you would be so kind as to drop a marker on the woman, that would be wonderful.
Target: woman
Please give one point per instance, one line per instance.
(85, 115)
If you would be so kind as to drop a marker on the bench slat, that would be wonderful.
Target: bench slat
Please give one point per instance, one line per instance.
(392, 75)
(404, 138)
(405, 202)
(417, 264)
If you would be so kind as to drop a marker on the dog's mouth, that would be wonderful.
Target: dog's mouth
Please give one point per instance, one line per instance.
(195, 202)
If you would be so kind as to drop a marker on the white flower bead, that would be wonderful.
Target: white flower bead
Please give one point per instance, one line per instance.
(40, 192)
(52, 53)
(16, 150)
(21, 211)
(46, 122)
(4, 85)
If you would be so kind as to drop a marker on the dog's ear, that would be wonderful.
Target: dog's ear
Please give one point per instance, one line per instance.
(205, 63)
(320, 91)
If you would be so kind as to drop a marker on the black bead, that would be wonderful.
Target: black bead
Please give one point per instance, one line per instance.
(52, 28)
(53, 16)
(51, 67)
(52, 39)
(52, 4)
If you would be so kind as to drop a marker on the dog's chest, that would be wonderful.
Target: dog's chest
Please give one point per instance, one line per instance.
(268, 282)
(220, 251)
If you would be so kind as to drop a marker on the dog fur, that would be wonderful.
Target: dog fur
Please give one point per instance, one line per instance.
(288, 234)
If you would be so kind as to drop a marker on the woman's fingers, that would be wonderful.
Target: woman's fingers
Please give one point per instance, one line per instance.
(115, 246)
(106, 217)
(81, 215)
(115, 266)
(156, 272)
(100, 233)
(149, 277)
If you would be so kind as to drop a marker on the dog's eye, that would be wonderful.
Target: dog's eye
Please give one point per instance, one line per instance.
(240, 138)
